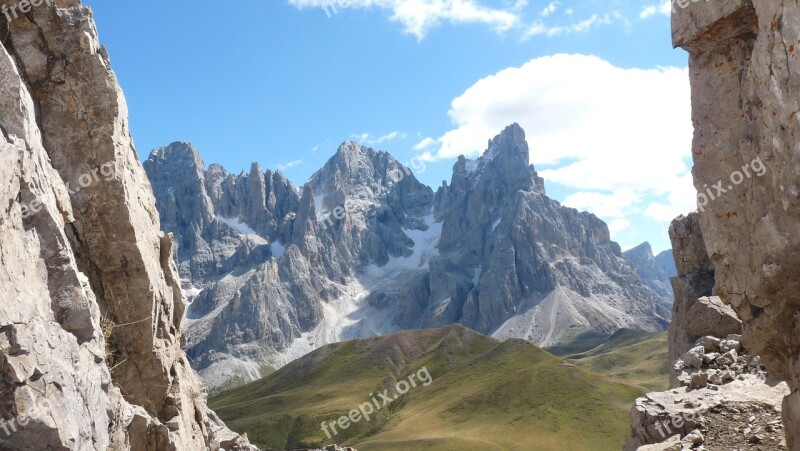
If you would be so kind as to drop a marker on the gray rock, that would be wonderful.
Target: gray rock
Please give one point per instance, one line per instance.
(727, 345)
(694, 357)
(92, 312)
(671, 444)
(710, 316)
(699, 380)
(711, 344)
(694, 438)
(695, 279)
(710, 358)
(729, 358)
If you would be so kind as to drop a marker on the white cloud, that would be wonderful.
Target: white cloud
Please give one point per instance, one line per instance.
(594, 127)
(365, 138)
(290, 165)
(618, 226)
(418, 17)
(389, 137)
(550, 9)
(315, 149)
(614, 205)
(426, 143)
(679, 201)
(583, 26)
(665, 8)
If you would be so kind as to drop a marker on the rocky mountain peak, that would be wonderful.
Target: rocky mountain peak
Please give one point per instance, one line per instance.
(511, 144)
(504, 165)
(643, 251)
(179, 159)
(655, 271)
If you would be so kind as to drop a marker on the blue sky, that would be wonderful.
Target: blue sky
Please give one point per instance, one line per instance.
(596, 84)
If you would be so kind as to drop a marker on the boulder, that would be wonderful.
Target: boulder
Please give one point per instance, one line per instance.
(694, 357)
(710, 357)
(671, 444)
(711, 344)
(729, 358)
(727, 345)
(710, 316)
(699, 380)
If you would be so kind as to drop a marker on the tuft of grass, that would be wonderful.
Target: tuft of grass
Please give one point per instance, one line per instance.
(107, 329)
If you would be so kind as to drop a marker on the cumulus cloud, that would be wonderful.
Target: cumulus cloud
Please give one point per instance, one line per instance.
(619, 137)
(418, 17)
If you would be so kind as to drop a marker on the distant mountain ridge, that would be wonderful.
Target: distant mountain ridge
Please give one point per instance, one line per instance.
(272, 276)
(654, 270)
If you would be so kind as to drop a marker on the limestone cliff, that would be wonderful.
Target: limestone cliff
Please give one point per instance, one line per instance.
(745, 75)
(91, 309)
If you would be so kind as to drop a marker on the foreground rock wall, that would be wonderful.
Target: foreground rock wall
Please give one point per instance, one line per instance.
(90, 305)
(745, 76)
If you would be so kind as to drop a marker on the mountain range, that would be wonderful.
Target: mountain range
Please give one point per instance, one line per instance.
(273, 271)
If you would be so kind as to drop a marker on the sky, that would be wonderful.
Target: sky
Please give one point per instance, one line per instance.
(603, 97)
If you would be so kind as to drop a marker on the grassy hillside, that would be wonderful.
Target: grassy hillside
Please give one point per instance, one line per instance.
(634, 357)
(482, 395)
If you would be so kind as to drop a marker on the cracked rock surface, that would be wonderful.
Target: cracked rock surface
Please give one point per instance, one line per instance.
(90, 305)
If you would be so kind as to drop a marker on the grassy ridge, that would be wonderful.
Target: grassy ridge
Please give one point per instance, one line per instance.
(634, 357)
(485, 395)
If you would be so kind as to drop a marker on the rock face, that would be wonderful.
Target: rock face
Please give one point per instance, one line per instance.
(92, 311)
(695, 280)
(721, 395)
(274, 271)
(654, 270)
(745, 72)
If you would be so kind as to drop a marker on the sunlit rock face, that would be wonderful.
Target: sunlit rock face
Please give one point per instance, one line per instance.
(745, 75)
(90, 306)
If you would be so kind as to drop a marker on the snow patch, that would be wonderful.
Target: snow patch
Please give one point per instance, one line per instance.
(426, 246)
(244, 229)
(346, 318)
(477, 277)
(237, 224)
